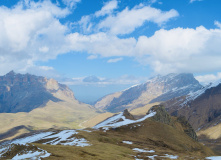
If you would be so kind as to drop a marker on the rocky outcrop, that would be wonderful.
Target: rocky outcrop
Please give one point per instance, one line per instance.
(25, 92)
(187, 128)
(127, 115)
(163, 116)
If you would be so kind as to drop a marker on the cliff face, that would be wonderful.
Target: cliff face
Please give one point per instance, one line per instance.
(25, 92)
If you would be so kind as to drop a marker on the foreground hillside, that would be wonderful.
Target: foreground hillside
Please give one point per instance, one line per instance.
(157, 89)
(155, 136)
(29, 103)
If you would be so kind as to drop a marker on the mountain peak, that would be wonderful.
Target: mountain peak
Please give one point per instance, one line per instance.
(11, 73)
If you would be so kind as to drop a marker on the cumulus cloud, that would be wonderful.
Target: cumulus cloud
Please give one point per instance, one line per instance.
(181, 50)
(30, 31)
(208, 78)
(71, 3)
(108, 8)
(39, 36)
(128, 20)
(102, 44)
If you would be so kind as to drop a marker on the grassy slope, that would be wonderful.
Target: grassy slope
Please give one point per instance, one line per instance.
(66, 114)
(162, 138)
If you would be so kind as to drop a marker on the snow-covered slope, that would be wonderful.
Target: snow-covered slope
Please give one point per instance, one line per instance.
(120, 120)
(65, 137)
(193, 95)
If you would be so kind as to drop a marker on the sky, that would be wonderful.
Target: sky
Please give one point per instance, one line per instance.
(102, 46)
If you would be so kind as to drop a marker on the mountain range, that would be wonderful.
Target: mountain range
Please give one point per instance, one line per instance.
(157, 89)
(30, 103)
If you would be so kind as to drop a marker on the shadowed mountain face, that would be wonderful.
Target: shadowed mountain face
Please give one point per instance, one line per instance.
(202, 112)
(23, 93)
(202, 109)
(157, 89)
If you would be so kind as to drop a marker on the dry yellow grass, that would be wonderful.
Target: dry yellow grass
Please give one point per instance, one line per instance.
(161, 138)
(97, 119)
(142, 110)
(213, 132)
(64, 114)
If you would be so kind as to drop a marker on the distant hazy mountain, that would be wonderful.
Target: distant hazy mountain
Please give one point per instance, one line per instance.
(157, 89)
(23, 93)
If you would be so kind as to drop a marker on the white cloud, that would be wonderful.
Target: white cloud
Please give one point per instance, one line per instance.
(44, 49)
(85, 24)
(191, 1)
(30, 32)
(127, 21)
(208, 78)
(218, 24)
(39, 36)
(71, 3)
(175, 50)
(102, 44)
(181, 50)
(114, 60)
(92, 57)
(107, 8)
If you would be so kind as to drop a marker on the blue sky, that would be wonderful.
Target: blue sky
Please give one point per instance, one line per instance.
(102, 46)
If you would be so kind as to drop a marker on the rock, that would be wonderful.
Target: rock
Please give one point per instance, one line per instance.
(188, 129)
(161, 114)
(127, 115)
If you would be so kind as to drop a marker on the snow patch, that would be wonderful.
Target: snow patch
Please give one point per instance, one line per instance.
(127, 142)
(115, 122)
(32, 155)
(170, 156)
(214, 158)
(31, 139)
(143, 150)
(152, 157)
